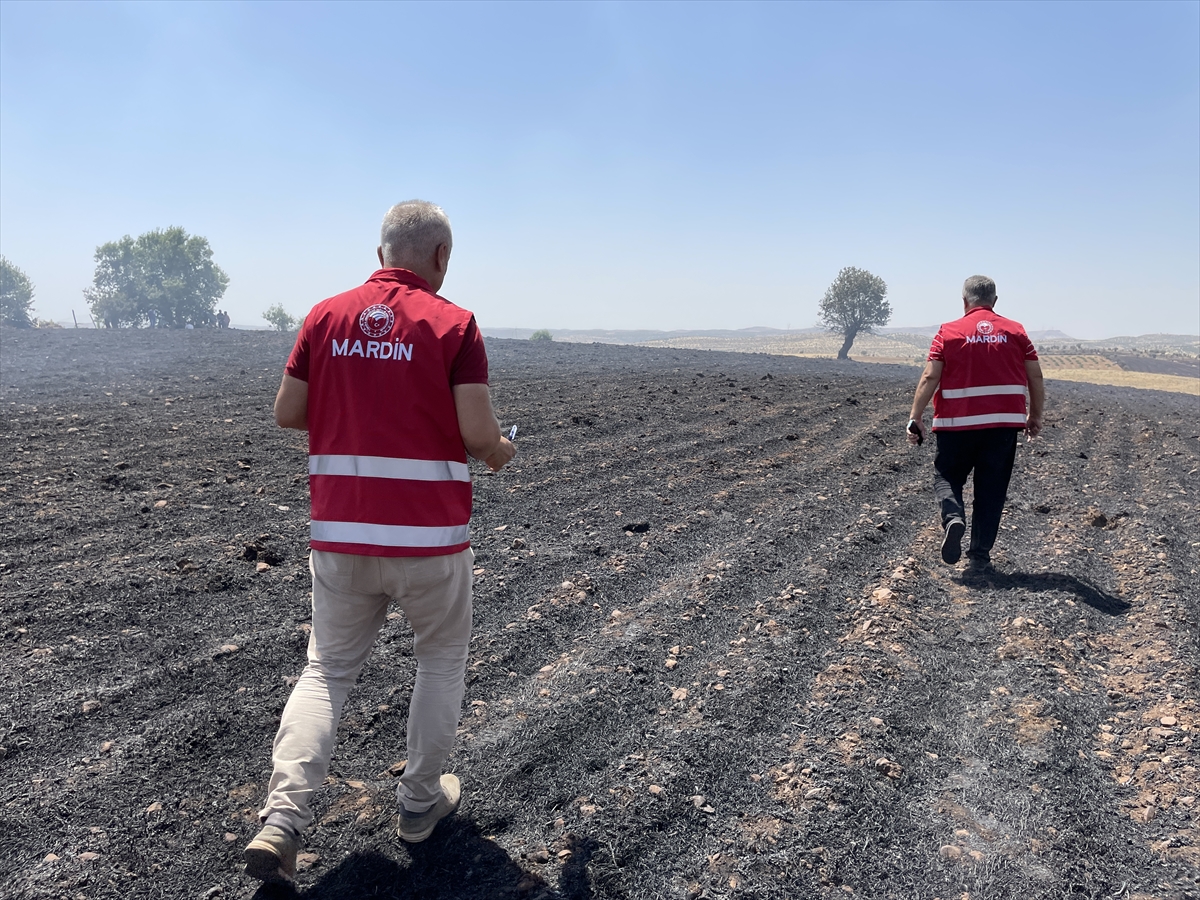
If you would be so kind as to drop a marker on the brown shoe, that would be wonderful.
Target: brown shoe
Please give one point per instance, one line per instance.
(271, 856)
(415, 827)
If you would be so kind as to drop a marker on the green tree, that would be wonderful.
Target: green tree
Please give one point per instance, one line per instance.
(16, 295)
(854, 303)
(165, 277)
(541, 335)
(280, 319)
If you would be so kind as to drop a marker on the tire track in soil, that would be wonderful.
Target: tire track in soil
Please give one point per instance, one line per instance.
(711, 674)
(1028, 721)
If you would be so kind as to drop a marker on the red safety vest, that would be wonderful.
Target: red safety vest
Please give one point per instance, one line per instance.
(387, 467)
(983, 376)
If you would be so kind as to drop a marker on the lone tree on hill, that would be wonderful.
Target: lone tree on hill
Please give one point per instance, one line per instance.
(16, 295)
(854, 302)
(165, 277)
(541, 335)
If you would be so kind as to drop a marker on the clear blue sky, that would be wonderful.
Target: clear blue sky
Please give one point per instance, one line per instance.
(623, 165)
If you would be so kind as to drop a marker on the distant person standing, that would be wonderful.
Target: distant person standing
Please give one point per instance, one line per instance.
(977, 373)
(391, 382)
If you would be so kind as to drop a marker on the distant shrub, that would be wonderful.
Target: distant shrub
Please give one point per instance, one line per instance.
(541, 335)
(280, 319)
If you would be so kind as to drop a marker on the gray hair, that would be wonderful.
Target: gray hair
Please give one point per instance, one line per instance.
(979, 290)
(411, 232)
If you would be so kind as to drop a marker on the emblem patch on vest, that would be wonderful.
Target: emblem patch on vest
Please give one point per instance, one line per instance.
(377, 320)
(983, 326)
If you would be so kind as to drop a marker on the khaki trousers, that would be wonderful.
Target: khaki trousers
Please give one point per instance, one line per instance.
(351, 595)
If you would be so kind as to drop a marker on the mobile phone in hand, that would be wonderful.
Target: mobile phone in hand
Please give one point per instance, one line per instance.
(914, 428)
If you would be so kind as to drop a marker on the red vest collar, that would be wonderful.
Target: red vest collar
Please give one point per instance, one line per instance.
(401, 276)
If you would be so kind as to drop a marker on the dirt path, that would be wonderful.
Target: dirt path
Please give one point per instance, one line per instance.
(715, 653)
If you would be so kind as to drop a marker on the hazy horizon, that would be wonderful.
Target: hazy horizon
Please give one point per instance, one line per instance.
(621, 165)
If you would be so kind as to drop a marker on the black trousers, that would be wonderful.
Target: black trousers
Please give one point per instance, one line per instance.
(989, 452)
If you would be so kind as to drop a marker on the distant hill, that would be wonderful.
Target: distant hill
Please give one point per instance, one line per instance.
(916, 336)
(640, 336)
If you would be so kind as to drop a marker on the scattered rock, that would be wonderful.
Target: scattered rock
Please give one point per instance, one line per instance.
(397, 769)
(230, 837)
(818, 793)
(50, 857)
(306, 861)
(90, 706)
(949, 852)
(1168, 721)
(88, 856)
(671, 663)
(882, 595)
(656, 790)
(159, 504)
(888, 768)
(154, 807)
(540, 855)
(226, 650)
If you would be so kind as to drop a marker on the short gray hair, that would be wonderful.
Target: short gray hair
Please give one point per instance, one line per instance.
(979, 290)
(412, 231)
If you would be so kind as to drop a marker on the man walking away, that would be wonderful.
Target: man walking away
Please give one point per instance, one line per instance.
(978, 370)
(391, 383)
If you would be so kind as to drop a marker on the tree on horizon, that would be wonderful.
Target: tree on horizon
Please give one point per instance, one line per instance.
(165, 277)
(854, 303)
(16, 296)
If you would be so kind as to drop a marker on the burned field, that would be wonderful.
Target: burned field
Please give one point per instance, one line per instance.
(715, 653)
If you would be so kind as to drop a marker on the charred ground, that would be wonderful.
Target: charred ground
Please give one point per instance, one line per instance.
(715, 653)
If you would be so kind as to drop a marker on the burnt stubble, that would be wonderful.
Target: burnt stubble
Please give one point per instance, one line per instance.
(715, 653)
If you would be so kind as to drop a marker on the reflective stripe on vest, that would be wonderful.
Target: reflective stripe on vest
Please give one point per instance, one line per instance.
(988, 419)
(389, 467)
(988, 390)
(390, 535)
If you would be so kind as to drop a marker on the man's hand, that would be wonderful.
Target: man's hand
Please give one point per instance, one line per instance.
(1037, 398)
(502, 456)
(931, 377)
(915, 431)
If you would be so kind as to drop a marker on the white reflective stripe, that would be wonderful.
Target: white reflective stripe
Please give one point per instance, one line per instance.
(985, 391)
(989, 419)
(389, 467)
(390, 535)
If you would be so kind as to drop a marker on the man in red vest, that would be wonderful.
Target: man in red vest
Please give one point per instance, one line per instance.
(978, 371)
(391, 382)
